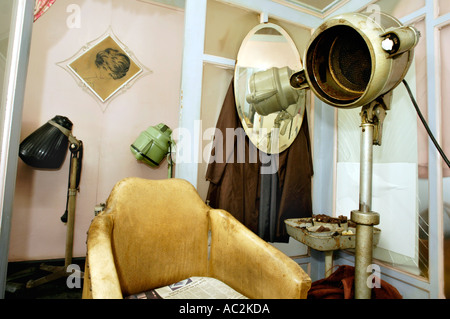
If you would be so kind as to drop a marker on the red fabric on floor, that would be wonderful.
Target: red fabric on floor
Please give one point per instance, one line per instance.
(340, 285)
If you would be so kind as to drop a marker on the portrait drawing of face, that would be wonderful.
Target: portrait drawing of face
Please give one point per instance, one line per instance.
(105, 68)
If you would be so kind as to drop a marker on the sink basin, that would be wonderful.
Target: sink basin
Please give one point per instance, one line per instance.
(324, 236)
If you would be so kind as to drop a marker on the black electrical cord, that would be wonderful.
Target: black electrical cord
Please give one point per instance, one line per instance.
(424, 122)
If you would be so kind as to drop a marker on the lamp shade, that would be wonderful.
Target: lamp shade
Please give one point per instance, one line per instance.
(47, 146)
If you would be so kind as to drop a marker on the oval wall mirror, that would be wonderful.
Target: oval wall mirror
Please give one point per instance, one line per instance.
(270, 110)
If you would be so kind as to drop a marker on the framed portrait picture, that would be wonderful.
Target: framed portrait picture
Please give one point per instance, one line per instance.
(105, 67)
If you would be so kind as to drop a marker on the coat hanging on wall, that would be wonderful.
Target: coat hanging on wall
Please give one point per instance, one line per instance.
(233, 187)
(236, 186)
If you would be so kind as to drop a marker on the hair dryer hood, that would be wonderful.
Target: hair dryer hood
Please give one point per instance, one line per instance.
(47, 146)
(354, 58)
(270, 91)
(152, 145)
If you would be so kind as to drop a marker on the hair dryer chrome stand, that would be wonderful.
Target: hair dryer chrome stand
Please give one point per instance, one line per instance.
(372, 117)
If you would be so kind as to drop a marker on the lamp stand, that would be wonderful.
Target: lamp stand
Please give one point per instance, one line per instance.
(57, 272)
(372, 117)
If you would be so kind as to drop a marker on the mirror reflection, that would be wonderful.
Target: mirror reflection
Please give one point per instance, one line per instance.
(270, 110)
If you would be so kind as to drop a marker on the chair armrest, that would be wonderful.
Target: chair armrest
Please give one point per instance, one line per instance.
(250, 265)
(101, 279)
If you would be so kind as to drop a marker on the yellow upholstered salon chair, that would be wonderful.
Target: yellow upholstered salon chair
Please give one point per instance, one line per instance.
(153, 233)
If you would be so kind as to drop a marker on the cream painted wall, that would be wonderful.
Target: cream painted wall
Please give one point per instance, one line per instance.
(155, 36)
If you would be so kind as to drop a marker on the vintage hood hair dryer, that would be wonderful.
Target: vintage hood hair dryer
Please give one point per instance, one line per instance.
(356, 60)
(152, 145)
(270, 91)
(46, 148)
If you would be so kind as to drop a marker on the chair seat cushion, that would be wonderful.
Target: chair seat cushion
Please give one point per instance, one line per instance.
(192, 288)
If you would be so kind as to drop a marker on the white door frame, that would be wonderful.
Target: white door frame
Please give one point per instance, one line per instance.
(11, 119)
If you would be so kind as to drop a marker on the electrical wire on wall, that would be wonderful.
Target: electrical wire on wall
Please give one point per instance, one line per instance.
(424, 122)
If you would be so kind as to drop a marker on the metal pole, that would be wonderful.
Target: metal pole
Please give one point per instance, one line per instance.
(364, 217)
(71, 212)
(366, 168)
(328, 263)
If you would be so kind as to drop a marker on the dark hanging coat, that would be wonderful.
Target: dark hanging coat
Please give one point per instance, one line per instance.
(236, 187)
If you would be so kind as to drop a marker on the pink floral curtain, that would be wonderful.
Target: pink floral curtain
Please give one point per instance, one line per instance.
(41, 7)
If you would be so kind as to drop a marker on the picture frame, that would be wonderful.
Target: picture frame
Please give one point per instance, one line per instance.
(105, 67)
